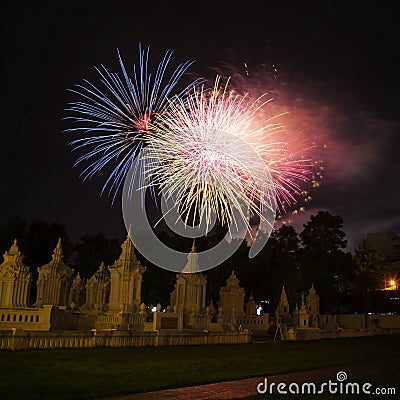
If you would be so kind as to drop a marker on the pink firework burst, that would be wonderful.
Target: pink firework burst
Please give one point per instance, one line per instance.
(216, 149)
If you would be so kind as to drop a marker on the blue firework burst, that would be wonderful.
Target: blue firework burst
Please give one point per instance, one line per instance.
(115, 121)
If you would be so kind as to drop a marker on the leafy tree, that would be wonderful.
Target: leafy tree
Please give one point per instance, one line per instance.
(157, 285)
(284, 264)
(14, 227)
(322, 257)
(370, 267)
(323, 234)
(41, 239)
(92, 250)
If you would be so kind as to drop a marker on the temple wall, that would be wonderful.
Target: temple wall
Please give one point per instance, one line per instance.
(17, 340)
(33, 319)
(350, 321)
(254, 322)
(375, 320)
(337, 334)
(385, 321)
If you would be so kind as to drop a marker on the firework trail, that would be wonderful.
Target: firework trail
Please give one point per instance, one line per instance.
(203, 169)
(116, 120)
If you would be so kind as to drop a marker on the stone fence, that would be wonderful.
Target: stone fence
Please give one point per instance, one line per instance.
(315, 334)
(23, 340)
(254, 322)
(373, 321)
(26, 318)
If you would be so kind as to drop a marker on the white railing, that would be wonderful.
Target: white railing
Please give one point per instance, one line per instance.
(18, 340)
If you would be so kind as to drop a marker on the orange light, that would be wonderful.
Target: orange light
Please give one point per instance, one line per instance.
(392, 283)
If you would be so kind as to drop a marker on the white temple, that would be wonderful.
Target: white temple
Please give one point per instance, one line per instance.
(15, 279)
(98, 290)
(189, 295)
(126, 280)
(106, 310)
(231, 297)
(54, 282)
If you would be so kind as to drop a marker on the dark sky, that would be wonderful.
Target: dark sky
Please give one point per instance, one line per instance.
(338, 63)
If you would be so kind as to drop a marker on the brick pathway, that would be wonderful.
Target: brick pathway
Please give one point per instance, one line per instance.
(246, 387)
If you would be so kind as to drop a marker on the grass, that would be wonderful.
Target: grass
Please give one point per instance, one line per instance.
(101, 372)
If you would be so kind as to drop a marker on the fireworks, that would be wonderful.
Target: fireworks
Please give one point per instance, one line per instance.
(116, 120)
(211, 151)
(206, 142)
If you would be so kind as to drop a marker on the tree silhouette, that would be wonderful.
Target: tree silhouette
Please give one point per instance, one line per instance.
(92, 250)
(322, 257)
(370, 269)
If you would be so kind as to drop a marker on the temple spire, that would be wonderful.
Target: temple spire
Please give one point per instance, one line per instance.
(128, 255)
(13, 255)
(192, 265)
(14, 248)
(14, 292)
(58, 253)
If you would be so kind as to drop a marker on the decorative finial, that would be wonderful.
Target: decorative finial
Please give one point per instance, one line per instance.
(14, 247)
(57, 254)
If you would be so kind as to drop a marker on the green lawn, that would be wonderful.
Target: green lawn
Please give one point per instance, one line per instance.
(102, 372)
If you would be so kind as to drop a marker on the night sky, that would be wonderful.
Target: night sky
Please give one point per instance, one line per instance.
(338, 71)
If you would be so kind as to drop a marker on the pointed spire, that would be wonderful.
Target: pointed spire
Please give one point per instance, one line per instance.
(14, 256)
(232, 280)
(58, 253)
(127, 245)
(192, 265)
(102, 274)
(312, 290)
(14, 248)
(128, 255)
(283, 298)
(77, 280)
